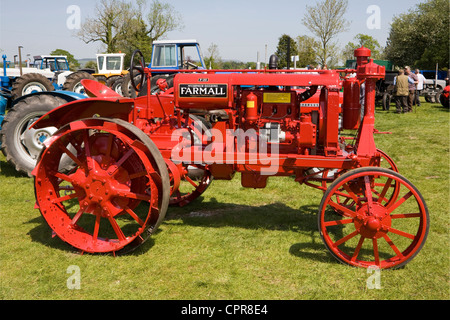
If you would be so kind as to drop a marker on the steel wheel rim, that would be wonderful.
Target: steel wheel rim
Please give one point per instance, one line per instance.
(377, 232)
(33, 87)
(23, 137)
(190, 188)
(84, 207)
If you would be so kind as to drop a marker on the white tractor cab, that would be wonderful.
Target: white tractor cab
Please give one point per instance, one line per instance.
(109, 64)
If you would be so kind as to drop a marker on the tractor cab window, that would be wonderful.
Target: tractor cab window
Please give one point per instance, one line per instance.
(51, 64)
(100, 61)
(113, 63)
(190, 57)
(38, 64)
(164, 56)
(61, 64)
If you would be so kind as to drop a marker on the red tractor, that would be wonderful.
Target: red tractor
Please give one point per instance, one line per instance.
(132, 158)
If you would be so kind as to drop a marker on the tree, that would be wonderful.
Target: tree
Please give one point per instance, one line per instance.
(73, 63)
(212, 59)
(125, 26)
(325, 21)
(420, 37)
(307, 48)
(109, 24)
(282, 50)
(362, 40)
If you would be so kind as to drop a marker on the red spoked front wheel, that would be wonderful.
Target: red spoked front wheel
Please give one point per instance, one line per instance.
(116, 194)
(196, 179)
(384, 224)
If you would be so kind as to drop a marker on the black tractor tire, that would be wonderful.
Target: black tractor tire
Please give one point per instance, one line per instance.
(21, 146)
(111, 80)
(437, 97)
(127, 89)
(386, 101)
(101, 79)
(29, 83)
(117, 85)
(73, 81)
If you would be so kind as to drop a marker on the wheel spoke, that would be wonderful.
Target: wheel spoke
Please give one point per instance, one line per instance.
(345, 211)
(135, 196)
(109, 147)
(368, 190)
(65, 198)
(138, 175)
(358, 248)
(406, 215)
(399, 202)
(338, 222)
(384, 191)
(351, 193)
(346, 238)
(191, 181)
(96, 227)
(87, 151)
(113, 169)
(77, 217)
(70, 154)
(117, 229)
(134, 216)
(63, 176)
(393, 246)
(376, 254)
(402, 233)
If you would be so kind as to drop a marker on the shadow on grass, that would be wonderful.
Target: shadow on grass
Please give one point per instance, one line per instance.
(8, 170)
(276, 216)
(213, 214)
(43, 234)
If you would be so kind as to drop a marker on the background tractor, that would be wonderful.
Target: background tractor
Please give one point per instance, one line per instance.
(168, 56)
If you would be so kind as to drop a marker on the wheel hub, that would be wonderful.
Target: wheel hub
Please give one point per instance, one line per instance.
(372, 221)
(33, 139)
(102, 192)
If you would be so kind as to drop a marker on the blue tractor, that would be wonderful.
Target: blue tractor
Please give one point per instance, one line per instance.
(167, 55)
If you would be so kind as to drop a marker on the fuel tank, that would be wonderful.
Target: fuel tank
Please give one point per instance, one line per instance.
(203, 91)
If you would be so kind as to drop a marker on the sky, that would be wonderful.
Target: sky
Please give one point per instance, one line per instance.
(240, 28)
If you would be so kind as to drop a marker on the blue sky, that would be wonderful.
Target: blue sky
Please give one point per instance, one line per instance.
(240, 28)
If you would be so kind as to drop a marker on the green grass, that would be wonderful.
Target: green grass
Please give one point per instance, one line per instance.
(238, 243)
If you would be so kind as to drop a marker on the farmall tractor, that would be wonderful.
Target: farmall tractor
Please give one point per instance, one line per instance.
(133, 158)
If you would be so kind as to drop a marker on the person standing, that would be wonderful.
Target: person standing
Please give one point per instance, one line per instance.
(401, 92)
(413, 80)
(419, 88)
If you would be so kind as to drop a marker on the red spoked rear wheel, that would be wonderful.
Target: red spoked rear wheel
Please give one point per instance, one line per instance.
(384, 225)
(116, 194)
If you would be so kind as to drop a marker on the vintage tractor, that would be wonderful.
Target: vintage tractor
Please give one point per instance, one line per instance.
(132, 158)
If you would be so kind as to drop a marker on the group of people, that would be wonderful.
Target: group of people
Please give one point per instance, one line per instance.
(408, 86)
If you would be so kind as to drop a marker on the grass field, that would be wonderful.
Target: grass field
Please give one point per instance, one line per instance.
(238, 243)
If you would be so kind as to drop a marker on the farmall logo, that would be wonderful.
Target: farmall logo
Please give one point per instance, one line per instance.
(203, 90)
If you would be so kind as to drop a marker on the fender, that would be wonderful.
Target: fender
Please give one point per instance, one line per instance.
(87, 108)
